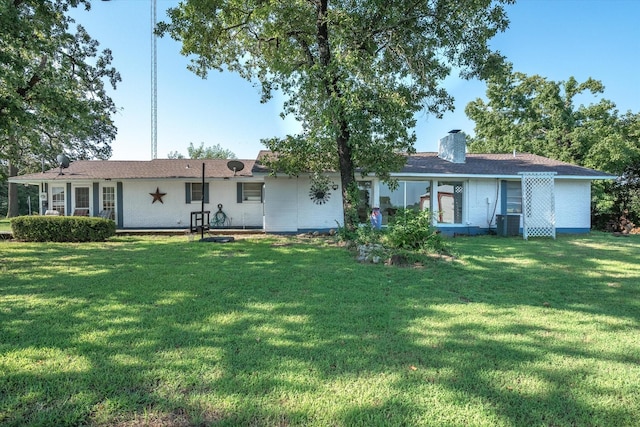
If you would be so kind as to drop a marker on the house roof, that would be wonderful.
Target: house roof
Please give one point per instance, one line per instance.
(147, 169)
(485, 165)
(496, 165)
(429, 164)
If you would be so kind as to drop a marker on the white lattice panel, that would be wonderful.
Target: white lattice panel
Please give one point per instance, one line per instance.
(538, 205)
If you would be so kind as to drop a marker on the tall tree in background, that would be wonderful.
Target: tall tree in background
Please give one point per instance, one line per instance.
(52, 96)
(202, 152)
(355, 72)
(535, 115)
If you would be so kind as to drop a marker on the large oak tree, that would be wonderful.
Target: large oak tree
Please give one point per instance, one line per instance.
(52, 91)
(354, 72)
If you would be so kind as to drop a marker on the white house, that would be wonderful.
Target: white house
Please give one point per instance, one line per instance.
(467, 193)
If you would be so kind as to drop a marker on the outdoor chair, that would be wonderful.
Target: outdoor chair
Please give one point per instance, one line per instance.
(106, 214)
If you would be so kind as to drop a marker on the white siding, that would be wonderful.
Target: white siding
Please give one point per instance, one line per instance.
(174, 212)
(246, 214)
(481, 202)
(288, 207)
(315, 216)
(138, 211)
(281, 205)
(573, 203)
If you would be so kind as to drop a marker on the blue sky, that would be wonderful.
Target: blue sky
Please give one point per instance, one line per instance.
(553, 38)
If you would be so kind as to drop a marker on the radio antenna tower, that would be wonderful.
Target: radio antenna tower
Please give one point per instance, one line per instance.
(154, 84)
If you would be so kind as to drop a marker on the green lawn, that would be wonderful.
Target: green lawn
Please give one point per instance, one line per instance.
(277, 332)
(5, 225)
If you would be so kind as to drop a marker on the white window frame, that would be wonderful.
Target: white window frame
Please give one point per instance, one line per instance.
(75, 197)
(437, 203)
(60, 202)
(111, 206)
(252, 194)
(514, 197)
(194, 192)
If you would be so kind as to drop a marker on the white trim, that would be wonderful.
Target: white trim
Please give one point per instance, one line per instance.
(489, 176)
(74, 189)
(464, 199)
(101, 188)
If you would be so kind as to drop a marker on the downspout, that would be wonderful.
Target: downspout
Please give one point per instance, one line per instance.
(495, 203)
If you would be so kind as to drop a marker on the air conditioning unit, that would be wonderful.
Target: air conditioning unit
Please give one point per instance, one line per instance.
(508, 225)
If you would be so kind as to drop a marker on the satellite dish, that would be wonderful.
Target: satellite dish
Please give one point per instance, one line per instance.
(235, 166)
(63, 162)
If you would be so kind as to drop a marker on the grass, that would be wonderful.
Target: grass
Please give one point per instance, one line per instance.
(278, 331)
(5, 224)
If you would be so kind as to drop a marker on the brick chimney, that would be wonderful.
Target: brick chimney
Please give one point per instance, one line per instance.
(453, 147)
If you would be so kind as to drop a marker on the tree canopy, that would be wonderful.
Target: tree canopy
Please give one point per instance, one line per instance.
(536, 115)
(52, 96)
(354, 73)
(202, 152)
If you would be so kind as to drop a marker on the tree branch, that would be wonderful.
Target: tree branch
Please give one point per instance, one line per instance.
(306, 50)
(33, 81)
(240, 24)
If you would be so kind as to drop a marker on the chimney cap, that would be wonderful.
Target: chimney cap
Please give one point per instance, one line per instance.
(454, 131)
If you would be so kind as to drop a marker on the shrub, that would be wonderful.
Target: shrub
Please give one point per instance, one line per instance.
(412, 230)
(62, 228)
(364, 234)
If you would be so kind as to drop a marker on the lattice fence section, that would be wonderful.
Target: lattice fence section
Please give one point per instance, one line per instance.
(538, 205)
(458, 190)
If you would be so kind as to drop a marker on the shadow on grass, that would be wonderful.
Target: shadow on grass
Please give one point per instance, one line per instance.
(581, 273)
(143, 332)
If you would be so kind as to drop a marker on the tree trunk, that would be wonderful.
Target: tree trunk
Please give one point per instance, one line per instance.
(12, 194)
(347, 179)
(347, 169)
(345, 161)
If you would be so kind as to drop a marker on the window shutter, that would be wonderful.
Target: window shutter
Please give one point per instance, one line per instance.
(68, 198)
(119, 204)
(205, 192)
(96, 198)
(239, 190)
(187, 192)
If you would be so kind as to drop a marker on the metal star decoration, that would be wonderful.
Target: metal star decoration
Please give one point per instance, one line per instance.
(157, 196)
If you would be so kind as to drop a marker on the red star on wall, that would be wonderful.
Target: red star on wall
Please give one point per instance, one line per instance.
(157, 196)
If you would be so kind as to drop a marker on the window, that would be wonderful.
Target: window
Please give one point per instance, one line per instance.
(82, 198)
(249, 192)
(57, 199)
(450, 196)
(408, 195)
(194, 193)
(514, 197)
(108, 202)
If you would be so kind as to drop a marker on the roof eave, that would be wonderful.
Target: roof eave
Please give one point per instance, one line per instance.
(491, 176)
